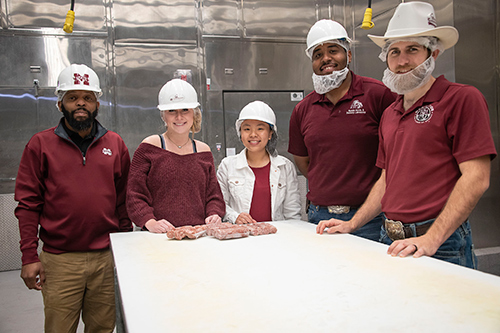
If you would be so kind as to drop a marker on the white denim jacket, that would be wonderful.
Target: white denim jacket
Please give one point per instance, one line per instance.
(237, 180)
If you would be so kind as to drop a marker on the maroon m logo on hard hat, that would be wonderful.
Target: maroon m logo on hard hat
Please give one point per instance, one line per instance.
(81, 79)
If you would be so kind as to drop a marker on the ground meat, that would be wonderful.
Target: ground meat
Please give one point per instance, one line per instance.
(188, 231)
(229, 231)
(222, 230)
(261, 228)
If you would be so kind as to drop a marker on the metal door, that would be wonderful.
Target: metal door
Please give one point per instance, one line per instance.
(282, 103)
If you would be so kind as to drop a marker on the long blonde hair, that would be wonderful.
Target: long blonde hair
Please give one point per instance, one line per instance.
(196, 120)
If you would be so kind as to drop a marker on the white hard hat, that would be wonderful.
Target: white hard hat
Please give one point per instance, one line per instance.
(257, 110)
(177, 94)
(78, 77)
(324, 31)
(413, 19)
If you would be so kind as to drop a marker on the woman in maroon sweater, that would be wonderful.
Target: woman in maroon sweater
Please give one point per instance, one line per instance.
(172, 179)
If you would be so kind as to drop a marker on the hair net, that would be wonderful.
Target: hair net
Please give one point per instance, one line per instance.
(60, 95)
(272, 143)
(404, 83)
(325, 83)
(342, 42)
(432, 43)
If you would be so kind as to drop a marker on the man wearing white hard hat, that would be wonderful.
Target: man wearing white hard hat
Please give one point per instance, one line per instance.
(435, 146)
(71, 188)
(334, 130)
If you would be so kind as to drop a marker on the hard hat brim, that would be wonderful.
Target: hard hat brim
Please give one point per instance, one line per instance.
(98, 92)
(327, 39)
(177, 106)
(240, 121)
(310, 49)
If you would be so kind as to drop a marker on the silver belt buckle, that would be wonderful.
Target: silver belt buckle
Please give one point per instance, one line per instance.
(394, 229)
(336, 209)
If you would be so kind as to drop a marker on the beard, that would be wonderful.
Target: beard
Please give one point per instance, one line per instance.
(79, 125)
(405, 83)
(325, 83)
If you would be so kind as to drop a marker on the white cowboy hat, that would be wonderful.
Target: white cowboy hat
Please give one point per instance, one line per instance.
(412, 19)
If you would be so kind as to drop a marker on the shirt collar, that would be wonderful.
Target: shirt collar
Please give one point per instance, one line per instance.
(437, 90)
(356, 88)
(74, 135)
(434, 94)
(241, 160)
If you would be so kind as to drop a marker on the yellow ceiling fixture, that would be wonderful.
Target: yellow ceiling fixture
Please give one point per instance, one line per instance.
(70, 19)
(367, 19)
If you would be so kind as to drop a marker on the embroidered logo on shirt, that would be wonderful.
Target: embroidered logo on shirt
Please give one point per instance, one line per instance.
(356, 108)
(424, 114)
(107, 151)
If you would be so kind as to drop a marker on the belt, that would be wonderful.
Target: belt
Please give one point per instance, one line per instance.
(338, 209)
(397, 230)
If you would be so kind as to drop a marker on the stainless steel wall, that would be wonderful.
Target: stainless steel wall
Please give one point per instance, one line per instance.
(477, 62)
(230, 47)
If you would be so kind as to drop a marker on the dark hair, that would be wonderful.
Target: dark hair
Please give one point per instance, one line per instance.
(272, 143)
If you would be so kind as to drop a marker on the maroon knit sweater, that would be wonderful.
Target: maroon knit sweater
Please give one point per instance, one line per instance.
(181, 189)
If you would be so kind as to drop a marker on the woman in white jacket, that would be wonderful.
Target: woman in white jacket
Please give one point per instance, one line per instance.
(258, 185)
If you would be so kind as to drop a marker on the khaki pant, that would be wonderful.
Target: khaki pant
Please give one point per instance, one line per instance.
(79, 282)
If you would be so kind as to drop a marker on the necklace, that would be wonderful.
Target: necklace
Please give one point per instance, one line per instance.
(176, 143)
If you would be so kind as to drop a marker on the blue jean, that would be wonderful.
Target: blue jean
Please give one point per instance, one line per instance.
(370, 231)
(457, 249)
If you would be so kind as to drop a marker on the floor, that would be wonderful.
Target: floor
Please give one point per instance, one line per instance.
(21, 309)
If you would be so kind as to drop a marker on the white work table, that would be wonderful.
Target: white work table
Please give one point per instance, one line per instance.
(295, 281)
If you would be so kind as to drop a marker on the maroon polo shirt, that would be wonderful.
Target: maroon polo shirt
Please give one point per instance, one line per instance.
(341, 141)
(421, 148)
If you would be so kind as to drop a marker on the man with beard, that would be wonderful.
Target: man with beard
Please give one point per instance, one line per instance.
(334, 130)
(435, 146)
(71, 188)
